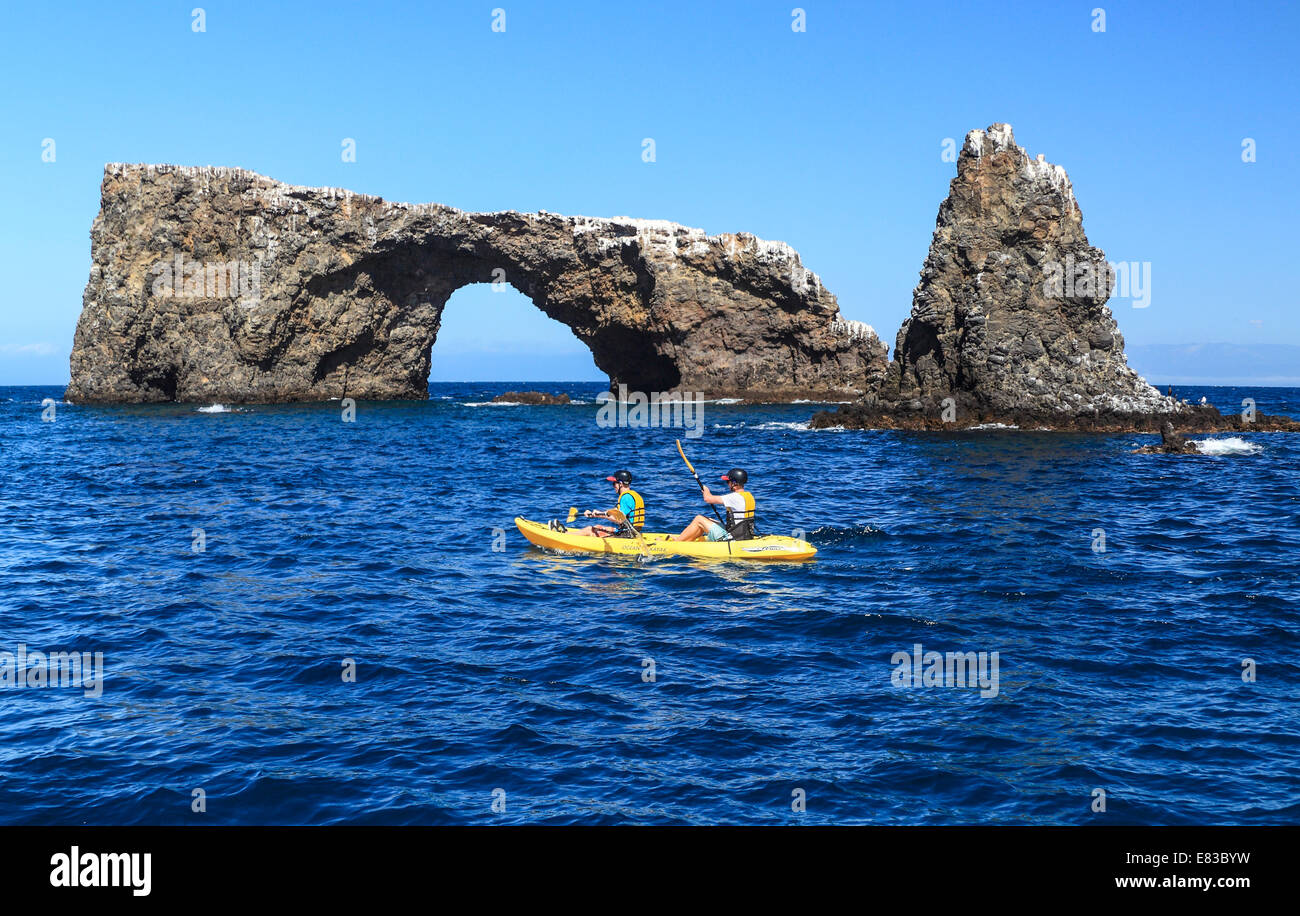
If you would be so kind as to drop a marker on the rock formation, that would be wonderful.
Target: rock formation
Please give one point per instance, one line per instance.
(1171, 443)
(1009, 322)
(216, 284)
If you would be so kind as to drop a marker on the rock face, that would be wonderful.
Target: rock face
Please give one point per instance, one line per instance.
(1010, 320)
(214, 284)
(996, 323)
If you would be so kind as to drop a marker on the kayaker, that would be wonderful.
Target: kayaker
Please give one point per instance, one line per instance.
(739, 504)
(629, 503)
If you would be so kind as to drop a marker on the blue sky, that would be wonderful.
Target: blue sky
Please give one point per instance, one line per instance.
(830, 139)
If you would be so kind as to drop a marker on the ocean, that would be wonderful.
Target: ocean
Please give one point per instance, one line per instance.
(310, 621)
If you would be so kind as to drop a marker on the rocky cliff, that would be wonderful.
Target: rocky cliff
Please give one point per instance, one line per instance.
(215, 284)
(1009, 321)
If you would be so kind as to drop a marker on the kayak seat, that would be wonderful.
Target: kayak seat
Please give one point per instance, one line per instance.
(741, 530)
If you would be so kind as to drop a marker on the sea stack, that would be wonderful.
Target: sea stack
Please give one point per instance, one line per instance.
(1009, 322)
(218, 284)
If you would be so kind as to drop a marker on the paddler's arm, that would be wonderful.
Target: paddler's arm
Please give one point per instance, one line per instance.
(710, 498)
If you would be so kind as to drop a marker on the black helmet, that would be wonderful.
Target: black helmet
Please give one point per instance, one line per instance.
(736, 475)
(624, 477)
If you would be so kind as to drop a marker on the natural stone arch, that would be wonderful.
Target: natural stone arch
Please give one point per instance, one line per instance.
(412, 286)
(351, 291)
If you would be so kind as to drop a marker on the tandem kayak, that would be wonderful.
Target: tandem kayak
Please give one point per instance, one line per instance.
(769, 547)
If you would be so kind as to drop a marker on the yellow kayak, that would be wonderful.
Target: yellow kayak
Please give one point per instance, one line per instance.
(769, 547)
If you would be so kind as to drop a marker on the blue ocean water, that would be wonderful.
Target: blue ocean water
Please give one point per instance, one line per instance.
(481, 669)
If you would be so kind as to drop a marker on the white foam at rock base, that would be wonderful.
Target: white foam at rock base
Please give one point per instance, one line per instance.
(1232, 445)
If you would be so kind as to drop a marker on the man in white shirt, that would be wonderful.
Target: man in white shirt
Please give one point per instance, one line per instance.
(739, 504)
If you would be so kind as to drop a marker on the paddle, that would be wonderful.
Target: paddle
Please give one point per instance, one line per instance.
(690, 467)
(622, 519)
(617, 516)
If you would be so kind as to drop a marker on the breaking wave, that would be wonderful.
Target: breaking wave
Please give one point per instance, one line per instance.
(1232, 445)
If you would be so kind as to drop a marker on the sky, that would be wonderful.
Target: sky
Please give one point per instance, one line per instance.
(831, 139)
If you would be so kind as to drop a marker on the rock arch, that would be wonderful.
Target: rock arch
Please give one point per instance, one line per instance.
(326, 290)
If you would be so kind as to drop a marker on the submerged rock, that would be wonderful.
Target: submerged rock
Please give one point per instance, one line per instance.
(538, 398)
(1171, 443)
(1195, 419)
(216, 284)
